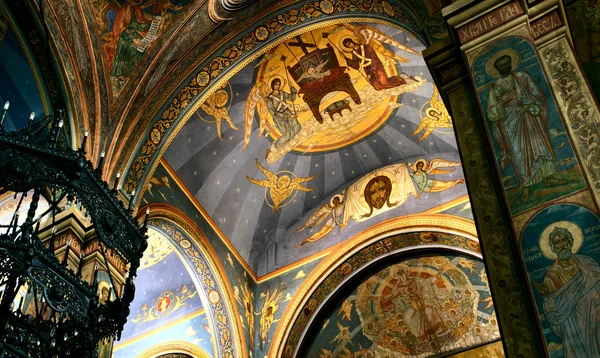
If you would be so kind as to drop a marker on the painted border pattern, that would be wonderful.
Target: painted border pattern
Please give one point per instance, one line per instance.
(576, 102)
(227, 327)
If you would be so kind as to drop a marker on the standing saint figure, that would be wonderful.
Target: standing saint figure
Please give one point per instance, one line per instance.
(129, 28)
(364, 59)
(519, 115)
(571, 293)
(285, 120)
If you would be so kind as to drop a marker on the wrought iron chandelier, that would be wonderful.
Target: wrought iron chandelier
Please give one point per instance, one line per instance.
(69, 248)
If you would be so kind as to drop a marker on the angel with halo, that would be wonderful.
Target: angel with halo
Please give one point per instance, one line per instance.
(277, 103)
(436, 116)
(420, 171)
(280, 187)
(331, 211)
(368, 42)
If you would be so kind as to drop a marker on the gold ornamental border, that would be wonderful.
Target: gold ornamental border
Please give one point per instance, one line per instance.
(343, 251)
(174, 347)
(187, 113)
(180, 220)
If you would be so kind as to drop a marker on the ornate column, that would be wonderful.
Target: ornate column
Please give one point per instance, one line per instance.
(526, 124)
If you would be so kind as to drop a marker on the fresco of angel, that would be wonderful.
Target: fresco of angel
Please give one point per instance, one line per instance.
(248, 302)
(421, 170)
(363, 49)
(378, 192)
(278, 104)
(280, 187)
(216, 107)
(436, 116)
(268, 310)
(331, 211)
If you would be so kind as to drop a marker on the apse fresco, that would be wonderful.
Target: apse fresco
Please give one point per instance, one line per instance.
(128, 28)
(418, 307)
(165, 295)
(19, 85)
(532, 149)
(281, 154)
(561, 253)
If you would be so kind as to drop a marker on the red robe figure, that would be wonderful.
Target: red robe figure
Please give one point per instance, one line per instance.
(364, 59)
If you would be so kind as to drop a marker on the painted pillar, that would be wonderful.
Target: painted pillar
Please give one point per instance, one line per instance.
(529, 134)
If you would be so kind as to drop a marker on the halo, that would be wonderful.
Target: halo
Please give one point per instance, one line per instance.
(341, 43)
(573, 229)
(279, 77)
(514, 56)
(340, 196)
(414, 166)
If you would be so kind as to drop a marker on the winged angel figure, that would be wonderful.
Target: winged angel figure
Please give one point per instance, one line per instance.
(436, 116)
(377, 192)
(363, 50)
(280, 187)
(268, 310)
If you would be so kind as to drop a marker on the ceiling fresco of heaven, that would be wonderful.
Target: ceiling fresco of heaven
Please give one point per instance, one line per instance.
(326, 134)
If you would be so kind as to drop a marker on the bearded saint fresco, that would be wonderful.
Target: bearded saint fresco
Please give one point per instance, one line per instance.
(571, 296)
(519, 111)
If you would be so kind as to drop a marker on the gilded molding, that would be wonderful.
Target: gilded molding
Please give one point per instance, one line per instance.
(163, 216)
(174, 347)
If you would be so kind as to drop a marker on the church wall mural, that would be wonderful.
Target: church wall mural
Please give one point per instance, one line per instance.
(532, 148)
(418, 307)
(269, 154)
(561, 251)
(166, 296)
(272, 298)
(584, 23)
(128, 28)
(20, 84)
(166, 188)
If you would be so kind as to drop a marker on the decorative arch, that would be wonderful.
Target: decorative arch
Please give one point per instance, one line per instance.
(199, 255)
(258, 36)
(394, 236)
(171, 347)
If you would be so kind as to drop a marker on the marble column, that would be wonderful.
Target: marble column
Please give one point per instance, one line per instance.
(527, 126)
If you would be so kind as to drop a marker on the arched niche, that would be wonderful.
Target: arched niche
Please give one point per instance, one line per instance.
(174, 349)
(213, 288)
(363, 256)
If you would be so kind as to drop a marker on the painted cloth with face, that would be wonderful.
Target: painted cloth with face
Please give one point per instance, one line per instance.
(279, 107)
(571, 294)
(519, 112)
(365, 60)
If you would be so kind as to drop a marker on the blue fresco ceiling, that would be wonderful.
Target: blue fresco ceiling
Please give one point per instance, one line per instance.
(166, 296)
(19, 85)
(267, 172)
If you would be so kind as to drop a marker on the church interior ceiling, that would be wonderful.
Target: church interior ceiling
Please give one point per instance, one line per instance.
(281, 162)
